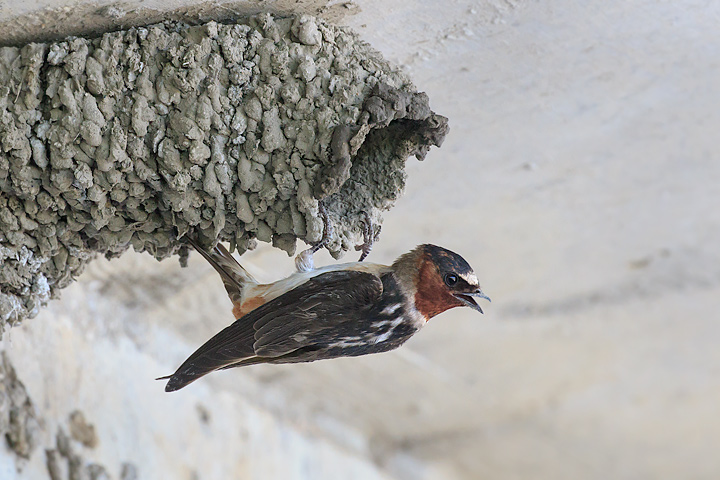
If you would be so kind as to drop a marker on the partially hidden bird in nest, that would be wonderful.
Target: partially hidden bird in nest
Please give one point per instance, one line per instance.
(341, 310)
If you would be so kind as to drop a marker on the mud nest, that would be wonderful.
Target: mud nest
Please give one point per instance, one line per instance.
(229, 132)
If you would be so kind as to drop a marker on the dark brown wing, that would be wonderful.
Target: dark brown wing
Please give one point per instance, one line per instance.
(309, 314)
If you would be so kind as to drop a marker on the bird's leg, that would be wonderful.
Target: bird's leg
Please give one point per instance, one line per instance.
(369, 235)
(304, 260)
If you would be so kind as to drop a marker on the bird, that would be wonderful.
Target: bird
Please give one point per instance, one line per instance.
(340, 310)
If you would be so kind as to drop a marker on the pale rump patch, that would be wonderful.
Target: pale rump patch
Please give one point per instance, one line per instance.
(240, 310)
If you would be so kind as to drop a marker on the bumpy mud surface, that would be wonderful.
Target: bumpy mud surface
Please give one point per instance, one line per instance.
(18, 420)
(218, 131)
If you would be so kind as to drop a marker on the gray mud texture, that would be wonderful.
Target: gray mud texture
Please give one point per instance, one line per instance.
(18, 419)
(229, 132)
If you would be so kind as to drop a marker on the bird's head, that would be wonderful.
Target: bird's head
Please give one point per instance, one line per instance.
(443, 280)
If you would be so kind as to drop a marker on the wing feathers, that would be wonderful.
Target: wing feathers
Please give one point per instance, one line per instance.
(230, 345)
(301, 317)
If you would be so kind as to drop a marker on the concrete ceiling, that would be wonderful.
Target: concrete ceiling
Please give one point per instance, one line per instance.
(581, 179)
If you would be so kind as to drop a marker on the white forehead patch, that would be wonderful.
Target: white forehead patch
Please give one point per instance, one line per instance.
(470, 278)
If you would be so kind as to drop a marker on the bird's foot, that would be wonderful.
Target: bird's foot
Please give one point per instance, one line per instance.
(304, 260)
(370, 234)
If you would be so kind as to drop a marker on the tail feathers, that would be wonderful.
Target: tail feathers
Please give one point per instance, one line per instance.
(178, 382)
(187, 374)
(234, 276)
(195, 368)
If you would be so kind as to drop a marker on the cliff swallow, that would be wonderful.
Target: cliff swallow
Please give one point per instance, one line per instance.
(342, 310)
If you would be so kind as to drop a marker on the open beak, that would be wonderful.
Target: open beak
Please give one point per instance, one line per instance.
(467, 299)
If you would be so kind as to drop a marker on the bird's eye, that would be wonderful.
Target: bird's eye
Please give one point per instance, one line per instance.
(451, 279)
